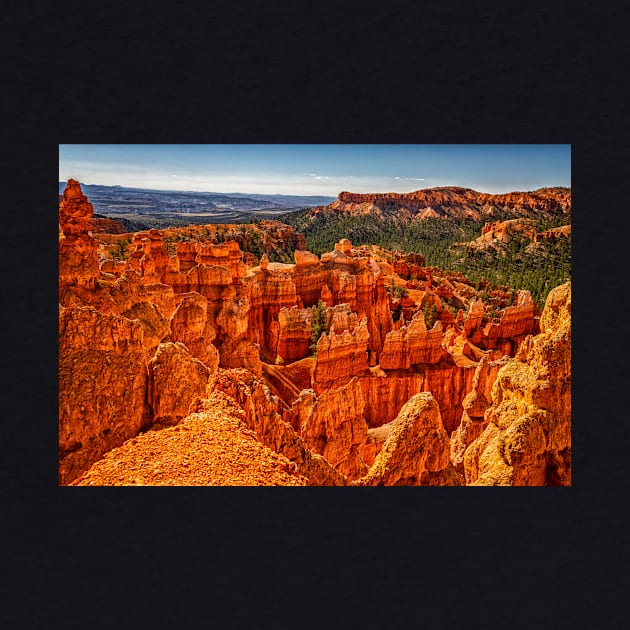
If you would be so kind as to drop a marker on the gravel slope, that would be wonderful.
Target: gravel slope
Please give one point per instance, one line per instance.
(211, 448)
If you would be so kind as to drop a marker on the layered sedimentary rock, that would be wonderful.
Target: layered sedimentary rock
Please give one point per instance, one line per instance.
(409, 266)
(241, 353)
(564, 231)
(102, 386)
(416, 451)
(386, 393)
(528, 437)
(334, 427)
(451, 201)
(294, 333)
(105, 225)
(190, 325)
(495, 235)
(413, 344)
(340, 356)
(175, 380)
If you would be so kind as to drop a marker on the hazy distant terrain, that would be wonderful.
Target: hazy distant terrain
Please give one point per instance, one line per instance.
(161, 207)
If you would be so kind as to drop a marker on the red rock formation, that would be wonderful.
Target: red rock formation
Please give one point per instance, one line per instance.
(271, 289)
(288, 381)
(78, 259)
(408, 265)
(528, 437)
(340, 356)
(386, 393)
(498, 233)
(190, 325)
(475, 404)
(241, 354)
(416, 451)
(413, 344)
(502, 231)
(294, 333)
(376, 437)
(452, 201)
(334, 427)
(150, 257)
(263, 417)
(175, 380)
(515, 323)
(196, 304)
(553, 234)
(102, 386)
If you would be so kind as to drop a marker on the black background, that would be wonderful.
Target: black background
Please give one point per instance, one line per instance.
(315, 557)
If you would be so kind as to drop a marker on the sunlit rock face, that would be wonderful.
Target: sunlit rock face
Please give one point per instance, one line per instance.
(102, 386)
(527, 440)
(416, 451)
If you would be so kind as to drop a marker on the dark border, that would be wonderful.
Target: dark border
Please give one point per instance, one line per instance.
(315, 557)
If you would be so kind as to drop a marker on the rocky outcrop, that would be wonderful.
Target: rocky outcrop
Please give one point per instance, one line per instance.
(452, 201)
(175, 380)
(294, 333)
(409, 266)
(78, 258)
(190, 325)
(505, 334)
(416, 451)
(340, 356)
(497, 234)
(386, 393)
(210, 447)
(191, 302)
(334, 427)
(528, 437)
(102, 386)
(554, 234)
(413, 344)
(242, 353)
(263, 417)
(475, 404)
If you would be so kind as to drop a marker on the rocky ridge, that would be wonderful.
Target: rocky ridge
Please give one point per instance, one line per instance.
(452, 202)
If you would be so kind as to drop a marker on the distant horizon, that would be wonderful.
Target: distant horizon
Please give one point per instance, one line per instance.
(279, 194)
(318, 169)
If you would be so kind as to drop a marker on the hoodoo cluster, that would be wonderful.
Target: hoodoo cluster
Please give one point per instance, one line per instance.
(196, 348)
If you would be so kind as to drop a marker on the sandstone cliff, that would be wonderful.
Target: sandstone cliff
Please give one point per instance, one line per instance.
(452, 202)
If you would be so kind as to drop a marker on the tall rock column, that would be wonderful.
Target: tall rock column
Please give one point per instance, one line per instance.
(78, 259)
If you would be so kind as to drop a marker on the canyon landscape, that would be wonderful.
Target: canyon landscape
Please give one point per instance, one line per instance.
(235, 354)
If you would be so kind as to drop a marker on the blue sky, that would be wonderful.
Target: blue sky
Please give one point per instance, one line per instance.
(318, 169)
